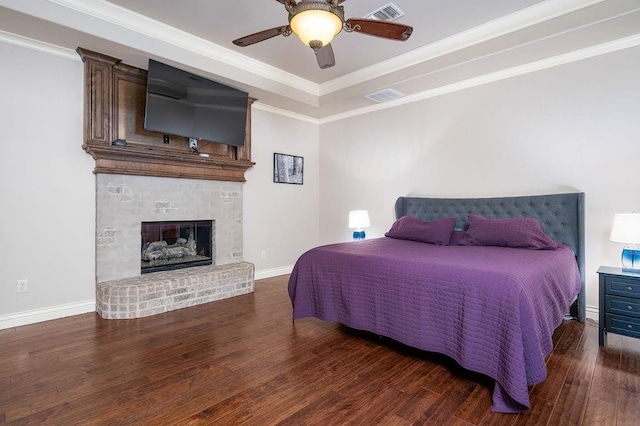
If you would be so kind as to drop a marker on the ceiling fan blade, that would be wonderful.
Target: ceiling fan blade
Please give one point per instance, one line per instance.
(383, 29)
(261, 36)
(325, 57)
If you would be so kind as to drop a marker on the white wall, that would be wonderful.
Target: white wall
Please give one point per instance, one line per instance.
(574, 127)
(47, 217)
(280, 219)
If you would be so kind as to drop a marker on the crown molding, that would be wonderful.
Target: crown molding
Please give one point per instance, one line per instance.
(519, 20)
(551, 62)
(577, 55)
(122, 17)
(284, 112)
(554, 61)
(116, 15)
(41, 46)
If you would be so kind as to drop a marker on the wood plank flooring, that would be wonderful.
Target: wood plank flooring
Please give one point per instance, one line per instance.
(242, 361)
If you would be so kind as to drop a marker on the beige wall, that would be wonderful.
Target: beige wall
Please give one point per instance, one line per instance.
(570, 128)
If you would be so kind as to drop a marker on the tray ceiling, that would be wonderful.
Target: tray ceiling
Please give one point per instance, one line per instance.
(455, 44)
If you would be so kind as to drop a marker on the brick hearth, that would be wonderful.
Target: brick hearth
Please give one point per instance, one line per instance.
(160, 292)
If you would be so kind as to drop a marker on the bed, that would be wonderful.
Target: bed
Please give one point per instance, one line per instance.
(491, 308)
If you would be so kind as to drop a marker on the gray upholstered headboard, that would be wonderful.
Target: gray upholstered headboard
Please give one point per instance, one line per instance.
(561, 217)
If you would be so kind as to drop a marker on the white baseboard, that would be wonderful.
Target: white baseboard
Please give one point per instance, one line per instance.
(46, 314)
(61, 311)
(274, 272)
(592, 312)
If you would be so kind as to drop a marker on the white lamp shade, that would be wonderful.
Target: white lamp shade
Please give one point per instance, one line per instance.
(626, 228)
(314, 24)
(359, 219)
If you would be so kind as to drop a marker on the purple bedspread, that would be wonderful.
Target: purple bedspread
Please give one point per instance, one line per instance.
(492, 309)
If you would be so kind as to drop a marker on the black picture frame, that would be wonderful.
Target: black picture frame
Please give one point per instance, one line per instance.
(288, 169)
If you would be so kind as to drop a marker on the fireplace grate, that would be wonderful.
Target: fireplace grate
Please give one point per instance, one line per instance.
(173, 245)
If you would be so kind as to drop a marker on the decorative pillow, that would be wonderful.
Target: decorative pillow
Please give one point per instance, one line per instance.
(434, 232)
(521, 232)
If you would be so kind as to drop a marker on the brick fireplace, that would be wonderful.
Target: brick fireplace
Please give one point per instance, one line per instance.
(123, 202)
(152, 177)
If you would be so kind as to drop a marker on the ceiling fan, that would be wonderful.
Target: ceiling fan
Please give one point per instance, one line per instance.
(317, 22)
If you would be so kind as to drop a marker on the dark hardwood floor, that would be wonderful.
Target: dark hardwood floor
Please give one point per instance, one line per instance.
(243, 361)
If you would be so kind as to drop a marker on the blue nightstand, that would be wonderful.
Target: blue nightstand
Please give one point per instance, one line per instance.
(619, 303)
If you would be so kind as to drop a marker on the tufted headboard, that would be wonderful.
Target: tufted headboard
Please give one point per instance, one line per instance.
(561, 217)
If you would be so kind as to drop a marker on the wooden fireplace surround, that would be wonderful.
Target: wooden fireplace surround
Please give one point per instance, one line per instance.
(114, 104)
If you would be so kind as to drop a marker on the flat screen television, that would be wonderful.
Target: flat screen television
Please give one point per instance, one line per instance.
(184, 104)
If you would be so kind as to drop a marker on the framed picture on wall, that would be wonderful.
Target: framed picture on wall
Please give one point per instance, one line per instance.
(288, 168)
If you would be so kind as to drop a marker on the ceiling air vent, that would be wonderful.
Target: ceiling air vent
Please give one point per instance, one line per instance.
(388, 12)
(384, 95)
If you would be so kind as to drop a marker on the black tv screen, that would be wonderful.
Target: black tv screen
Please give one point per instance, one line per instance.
(184, 104)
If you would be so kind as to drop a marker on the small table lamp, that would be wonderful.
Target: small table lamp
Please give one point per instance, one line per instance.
(358, 219)
(626, 229)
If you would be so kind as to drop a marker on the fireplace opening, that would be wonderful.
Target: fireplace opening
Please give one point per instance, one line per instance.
(176, 244)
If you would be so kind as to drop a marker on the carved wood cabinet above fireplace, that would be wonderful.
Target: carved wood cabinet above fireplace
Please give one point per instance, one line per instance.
(114, 104)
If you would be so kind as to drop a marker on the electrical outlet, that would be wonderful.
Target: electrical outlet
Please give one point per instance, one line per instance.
(193, 143)
(263, 254)
(22, 286)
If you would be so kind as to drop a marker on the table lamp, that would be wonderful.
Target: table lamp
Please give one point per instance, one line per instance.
(626, 229)
(358, 219)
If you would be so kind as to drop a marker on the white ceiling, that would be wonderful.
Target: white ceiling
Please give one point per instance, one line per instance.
(455, 44)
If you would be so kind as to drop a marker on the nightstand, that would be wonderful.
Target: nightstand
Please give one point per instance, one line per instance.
(619, 303)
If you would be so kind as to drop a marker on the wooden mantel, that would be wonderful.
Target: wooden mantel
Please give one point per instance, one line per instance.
(114, 103)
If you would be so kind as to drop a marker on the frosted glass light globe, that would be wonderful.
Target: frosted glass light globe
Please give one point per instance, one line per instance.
(318, 25)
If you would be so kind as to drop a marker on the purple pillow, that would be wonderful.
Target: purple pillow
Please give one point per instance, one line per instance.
(413, 229)
(521, 232)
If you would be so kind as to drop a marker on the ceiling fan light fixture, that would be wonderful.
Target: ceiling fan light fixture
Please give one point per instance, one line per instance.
(315, 21)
